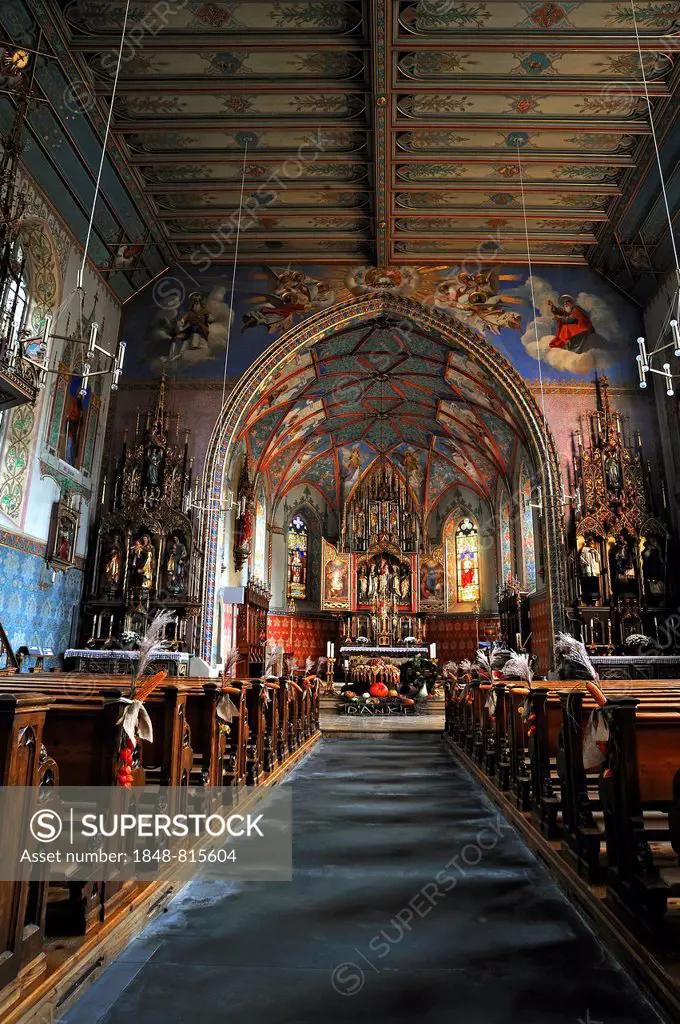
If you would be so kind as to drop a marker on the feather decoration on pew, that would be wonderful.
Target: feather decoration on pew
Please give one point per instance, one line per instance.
(134, 719)
(450, 669)
(596, 738)
(152, 641)
(484, 661)
(231, 659)
(270, 664)
(574, 652)
(291, 665)
(309, 666)
(465, 666)
(518, 667)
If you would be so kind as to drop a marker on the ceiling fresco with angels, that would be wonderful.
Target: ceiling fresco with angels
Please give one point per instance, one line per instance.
(561, 325)
(382, 389)
(377, 132)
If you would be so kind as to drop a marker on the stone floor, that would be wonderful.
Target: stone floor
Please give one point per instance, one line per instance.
(375, 928)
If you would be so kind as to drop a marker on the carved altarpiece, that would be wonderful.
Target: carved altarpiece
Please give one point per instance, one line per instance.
(145, 558)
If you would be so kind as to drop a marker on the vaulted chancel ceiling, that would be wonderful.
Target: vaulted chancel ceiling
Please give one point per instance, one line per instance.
(382, 389)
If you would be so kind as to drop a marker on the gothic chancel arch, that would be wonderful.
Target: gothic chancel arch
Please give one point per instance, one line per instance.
(385, 385)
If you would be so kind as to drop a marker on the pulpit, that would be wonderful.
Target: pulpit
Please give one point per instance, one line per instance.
(246, 611)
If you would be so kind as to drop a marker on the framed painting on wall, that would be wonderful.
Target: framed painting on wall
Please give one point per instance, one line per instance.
(61, 545)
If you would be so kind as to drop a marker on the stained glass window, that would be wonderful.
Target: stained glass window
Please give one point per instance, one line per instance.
(506, 540)
(259, 552)
(467, 560)
(297, 558)
(528, 540)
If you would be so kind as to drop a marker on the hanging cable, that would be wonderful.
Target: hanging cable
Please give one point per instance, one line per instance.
(233, 275)
(656, 143)
(533, 298)
(104, 145)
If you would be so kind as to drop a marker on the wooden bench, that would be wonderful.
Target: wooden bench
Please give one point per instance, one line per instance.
(641, 774)
(24, 761)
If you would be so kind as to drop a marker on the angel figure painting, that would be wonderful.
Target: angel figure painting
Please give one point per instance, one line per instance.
(475, 299)
(292, 294)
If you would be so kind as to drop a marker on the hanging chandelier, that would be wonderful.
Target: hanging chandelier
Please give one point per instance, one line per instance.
(645, 359)
(24, 357)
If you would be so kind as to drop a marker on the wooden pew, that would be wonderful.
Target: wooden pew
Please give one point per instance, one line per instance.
(220, 757)
(83, 732)
(24, 761)
(642, 774)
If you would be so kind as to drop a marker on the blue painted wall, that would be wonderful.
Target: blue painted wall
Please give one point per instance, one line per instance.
(33, 616)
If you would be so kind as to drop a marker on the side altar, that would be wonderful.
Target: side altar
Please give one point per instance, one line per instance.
(144, 556)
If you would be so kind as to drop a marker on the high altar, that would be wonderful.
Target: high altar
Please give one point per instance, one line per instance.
(371, 576)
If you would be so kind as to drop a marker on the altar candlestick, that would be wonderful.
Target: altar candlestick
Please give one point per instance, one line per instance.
(609, 631)
(592, 632)
(656, 628)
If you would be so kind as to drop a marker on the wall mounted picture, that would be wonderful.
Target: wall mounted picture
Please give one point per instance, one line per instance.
(61, 546)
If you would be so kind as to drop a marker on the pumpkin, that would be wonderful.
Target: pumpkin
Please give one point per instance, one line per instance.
(349, 694)
(366, 695)
(379, 690)
(394, 693)
(407, 700)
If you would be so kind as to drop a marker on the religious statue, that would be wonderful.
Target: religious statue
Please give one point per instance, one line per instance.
(143, 559)
(383, 577)
(622, 566)
(154, 458)
(113, 564)
(590, 571)
(373, 522)
(363, 584)
(394, 522)
(372, 581)
(359, 524)
(405, 586)
(653, 571)
(612, 470)
(175, 566)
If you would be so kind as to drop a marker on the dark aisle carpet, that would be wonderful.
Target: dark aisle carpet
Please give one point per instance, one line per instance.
(366, 932)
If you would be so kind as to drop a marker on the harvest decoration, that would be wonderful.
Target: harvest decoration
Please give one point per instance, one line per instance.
(518, 667)
(134, 720)
(226, 709)
(596, 741)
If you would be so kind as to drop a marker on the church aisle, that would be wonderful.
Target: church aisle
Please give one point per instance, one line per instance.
(366, 932)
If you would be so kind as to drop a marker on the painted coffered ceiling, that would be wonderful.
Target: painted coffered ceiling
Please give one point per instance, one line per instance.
(391, 131)
(380, 390)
